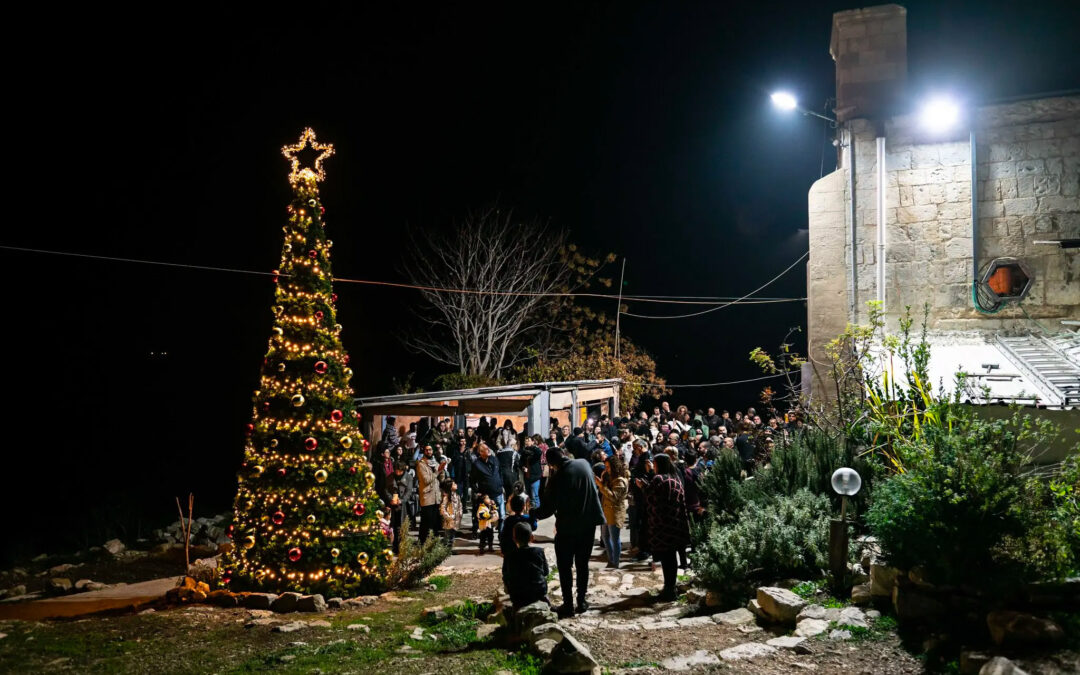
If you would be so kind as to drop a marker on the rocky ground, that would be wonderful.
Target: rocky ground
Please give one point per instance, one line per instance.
(625, 630)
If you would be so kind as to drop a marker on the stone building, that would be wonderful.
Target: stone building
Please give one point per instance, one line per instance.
(905, 220)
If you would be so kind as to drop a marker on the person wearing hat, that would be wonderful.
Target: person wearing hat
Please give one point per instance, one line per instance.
(579, 446)
(572, 498)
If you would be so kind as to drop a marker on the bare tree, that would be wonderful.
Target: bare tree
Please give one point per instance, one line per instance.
(510, 268)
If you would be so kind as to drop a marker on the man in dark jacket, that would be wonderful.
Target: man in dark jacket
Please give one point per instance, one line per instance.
(579, 446)
(487, 480)
(571, 496)
(508, 465)
(530, 464)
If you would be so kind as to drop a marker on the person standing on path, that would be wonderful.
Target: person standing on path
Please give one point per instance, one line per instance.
(487, 479)
(572, 498)
(613, 487)
(427, 476)
(669, 526)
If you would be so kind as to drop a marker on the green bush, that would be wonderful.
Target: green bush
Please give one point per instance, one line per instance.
(809, 461)
(414, 562)
(969, 508)
(770, 538)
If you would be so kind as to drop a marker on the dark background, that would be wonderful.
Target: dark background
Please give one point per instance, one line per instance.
(645, 129)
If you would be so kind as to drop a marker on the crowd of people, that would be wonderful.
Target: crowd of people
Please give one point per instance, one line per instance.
(640, 473)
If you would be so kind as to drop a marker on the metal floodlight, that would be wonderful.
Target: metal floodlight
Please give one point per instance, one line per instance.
(846, 482)
(784, 101)
(940, 114)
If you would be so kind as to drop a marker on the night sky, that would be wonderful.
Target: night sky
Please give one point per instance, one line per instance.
(644, 129)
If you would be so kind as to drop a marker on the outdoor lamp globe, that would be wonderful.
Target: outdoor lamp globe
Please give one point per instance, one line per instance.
(846, 482)
(784, 101)
(939, 114)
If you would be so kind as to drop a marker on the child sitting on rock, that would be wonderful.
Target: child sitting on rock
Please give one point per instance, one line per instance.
(526, 570)
(487, 515)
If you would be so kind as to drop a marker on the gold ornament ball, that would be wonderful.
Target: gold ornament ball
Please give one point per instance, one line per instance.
(258, 469)
(335, 552)
(297, 400)
(346, 442)
(273, 442)
(362, 558)
(369, 478)
(281, 367)
(321, 475)
(249, 541)
(311, 518)
(348, 373)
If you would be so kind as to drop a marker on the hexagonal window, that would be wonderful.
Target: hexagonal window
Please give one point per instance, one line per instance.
(1007, 279)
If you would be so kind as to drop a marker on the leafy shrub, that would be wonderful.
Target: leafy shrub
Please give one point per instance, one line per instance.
(414, 562)
(772, 538)
(722, 487)
(969, 509)
(809, 460)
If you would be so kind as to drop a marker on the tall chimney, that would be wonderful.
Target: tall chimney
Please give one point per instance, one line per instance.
(869, 46)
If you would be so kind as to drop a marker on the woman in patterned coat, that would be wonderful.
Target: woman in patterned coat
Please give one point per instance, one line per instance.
(669, 525)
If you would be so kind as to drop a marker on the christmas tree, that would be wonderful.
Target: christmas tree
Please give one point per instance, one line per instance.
(307, 516)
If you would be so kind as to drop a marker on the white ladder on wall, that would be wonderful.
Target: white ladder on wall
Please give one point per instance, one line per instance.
(1047, 363)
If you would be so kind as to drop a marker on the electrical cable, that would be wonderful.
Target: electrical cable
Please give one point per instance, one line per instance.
(713, 309)
(714, 384)
(391, 284)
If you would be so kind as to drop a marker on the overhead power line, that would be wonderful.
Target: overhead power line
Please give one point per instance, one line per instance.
(715, 384)
(727, 304)
(392, 284)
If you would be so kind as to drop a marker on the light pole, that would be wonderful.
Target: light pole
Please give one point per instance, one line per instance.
(846, 483)
(787, 101)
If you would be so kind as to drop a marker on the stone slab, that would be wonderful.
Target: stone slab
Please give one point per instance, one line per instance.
(128, 596)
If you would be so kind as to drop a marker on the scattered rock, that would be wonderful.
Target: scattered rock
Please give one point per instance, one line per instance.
(259, 600)
(873, 614)
(363, 628)
(311, 603)
(999, 665)
(840, 635)
(713, 599)
(860, 595)
(406, 649)
(115, 547)
(747, 650)
(688, 661)
(695, 621)
(811, 612)
(334, 603)
(674, 612)
(570, 656)
(545, 631)
(286, 602)
(971, 662)
(779, 604)
(528, 617)
(695, 596)
(735, 617)
(203, 569)
(1016, 629)
(882, 580)
(3, 635)
(359, 601)
(60, 569)
(545, 647)
(417, 633)
(147, 611)
(635, 592)
(15, 591)
(261, 621)
(319, 623)
(289, 627)
(59, 585)
(434, 614)
(659, 625)
(88, 585)
(852, 617)
(484, 631)
(221, 598)
(754, 608)
(792, 642)
(811, 627)
(912, 604)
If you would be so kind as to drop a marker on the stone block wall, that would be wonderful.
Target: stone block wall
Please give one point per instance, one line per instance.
(1028, 185)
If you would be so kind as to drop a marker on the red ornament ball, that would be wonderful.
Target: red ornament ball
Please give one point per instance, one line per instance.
(333, 297)
(319, 315)
(337, 416)
(281, 471)
(359, 508)
(310, 443)
(313, 254)
(295, 553)
(278, 518)
(345, 359)
(320, 367)
(275, 277)
(250, 429)
(352, 469)
(322, 209)
(227, 577)
(229, 532)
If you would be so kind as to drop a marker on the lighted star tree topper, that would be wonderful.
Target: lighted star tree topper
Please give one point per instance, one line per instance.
(307, 517)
